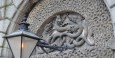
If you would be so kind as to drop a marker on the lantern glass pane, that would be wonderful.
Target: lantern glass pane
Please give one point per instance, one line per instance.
(15, 44)
(28, 45)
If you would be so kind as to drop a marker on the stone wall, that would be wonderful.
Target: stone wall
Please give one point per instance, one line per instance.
(11, 11)
(7, 10)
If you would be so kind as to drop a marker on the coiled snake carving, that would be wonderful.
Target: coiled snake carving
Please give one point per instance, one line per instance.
(70, 31)
(77, 31)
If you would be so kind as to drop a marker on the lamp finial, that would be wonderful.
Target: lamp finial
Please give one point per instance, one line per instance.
(24, 25)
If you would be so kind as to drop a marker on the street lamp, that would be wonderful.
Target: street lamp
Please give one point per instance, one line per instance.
(22, 42)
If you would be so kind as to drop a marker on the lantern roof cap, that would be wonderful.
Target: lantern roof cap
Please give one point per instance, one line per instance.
(23, 33)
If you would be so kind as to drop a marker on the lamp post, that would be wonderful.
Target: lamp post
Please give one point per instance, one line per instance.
(22, 42)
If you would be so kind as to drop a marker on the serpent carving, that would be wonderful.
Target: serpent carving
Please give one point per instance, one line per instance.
(69, 30)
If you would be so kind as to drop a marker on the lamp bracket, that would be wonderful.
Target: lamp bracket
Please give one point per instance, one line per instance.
(42, 44)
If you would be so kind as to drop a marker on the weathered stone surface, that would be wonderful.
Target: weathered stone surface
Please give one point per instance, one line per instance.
(10, 10)
(2, 12)
(1, 42)
(112, 42)
(17, 2)
(4, 25)
(97, 52)
(112, 14)
(97, 18)
(111, 2)
(2, 2)
(1, 39)
(46, 9)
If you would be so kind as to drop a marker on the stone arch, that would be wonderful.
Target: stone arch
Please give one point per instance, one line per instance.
(41, 11)
(19, 14)
(26, 5)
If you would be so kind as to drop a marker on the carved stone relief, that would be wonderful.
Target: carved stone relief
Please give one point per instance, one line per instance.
(68, 30)
(86, 37)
